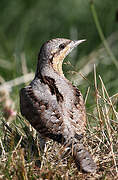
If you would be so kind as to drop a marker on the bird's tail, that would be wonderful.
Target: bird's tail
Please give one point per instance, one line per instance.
(82, 157)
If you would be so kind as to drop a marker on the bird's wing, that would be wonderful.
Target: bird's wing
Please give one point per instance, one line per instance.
(41, 112)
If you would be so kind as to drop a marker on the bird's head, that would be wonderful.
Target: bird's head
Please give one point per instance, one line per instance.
(54, 52)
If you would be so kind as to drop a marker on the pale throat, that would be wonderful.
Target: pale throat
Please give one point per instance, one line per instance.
(58, 61)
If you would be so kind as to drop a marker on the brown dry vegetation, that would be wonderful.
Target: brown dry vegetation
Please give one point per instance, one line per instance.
(21, 157)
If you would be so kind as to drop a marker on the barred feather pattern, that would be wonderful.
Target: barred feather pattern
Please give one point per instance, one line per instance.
(82, 157)
(53, 106)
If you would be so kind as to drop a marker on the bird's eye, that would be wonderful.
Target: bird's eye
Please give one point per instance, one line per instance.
(62, 46)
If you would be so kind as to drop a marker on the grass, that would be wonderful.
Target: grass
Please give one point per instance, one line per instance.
(95, 17)
(21, 157)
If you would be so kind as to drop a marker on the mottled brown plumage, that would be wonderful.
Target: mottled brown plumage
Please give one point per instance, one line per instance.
(53, 106)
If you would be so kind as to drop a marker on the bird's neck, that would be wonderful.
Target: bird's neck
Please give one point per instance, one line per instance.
(57, 66)
(50, 69)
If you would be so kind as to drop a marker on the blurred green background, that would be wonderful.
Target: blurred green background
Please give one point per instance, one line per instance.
(26, 24)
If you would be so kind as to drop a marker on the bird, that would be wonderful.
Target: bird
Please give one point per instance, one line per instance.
(54, 106)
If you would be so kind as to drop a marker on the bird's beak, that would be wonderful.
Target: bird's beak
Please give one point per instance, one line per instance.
(74, 44)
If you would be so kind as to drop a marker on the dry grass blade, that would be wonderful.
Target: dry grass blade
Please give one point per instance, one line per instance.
(108, 124)
(97, 98)
(24, 172)
(87, 95)
(3, 150)
(109, 99)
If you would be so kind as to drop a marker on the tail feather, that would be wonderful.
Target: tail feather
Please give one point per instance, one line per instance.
(83, 159)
